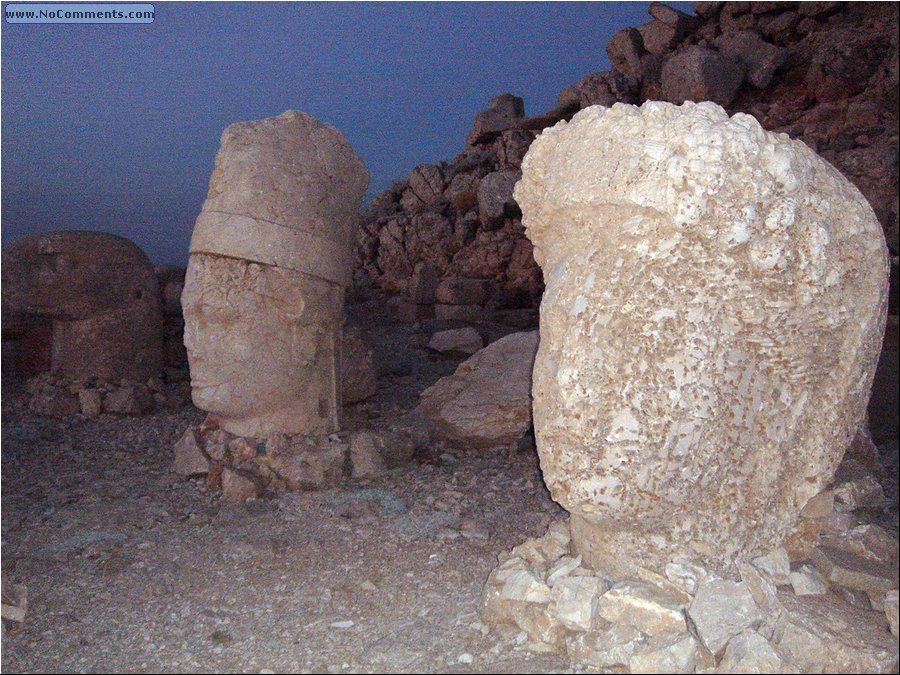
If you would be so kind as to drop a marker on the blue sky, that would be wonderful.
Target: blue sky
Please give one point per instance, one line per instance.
(115, 127)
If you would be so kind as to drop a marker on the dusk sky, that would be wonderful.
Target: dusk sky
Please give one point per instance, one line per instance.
(115, 127)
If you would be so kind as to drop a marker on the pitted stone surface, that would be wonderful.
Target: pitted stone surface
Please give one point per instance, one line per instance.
(715, 302)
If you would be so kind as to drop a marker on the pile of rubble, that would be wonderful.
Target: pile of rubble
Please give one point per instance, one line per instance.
(832, 609)
(244, 468)
(56, 396)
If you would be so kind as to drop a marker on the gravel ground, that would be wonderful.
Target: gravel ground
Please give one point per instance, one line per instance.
(130, 568)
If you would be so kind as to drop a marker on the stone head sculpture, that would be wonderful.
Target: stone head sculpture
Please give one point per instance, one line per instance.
(96, 293)
(714, 307)
(271, 256)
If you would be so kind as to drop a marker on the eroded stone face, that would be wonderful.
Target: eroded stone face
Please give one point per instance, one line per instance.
(715, 303)
(271, 255)
(261, 343)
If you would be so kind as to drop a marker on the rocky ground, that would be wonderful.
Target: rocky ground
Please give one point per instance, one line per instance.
(131, 568)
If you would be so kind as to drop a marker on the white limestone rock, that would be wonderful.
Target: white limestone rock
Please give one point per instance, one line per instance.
(821, 633)
(644, 606)
(750, 652)
(722, 609)
(714, 307)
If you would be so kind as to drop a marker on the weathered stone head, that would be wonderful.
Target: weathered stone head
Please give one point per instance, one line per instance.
(83, 304)
(271, 255)
(714, 309)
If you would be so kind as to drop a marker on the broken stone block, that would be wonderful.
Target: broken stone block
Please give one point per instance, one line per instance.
(608, 647)
(99, 293)
(190, 459)
(861, 493)
(457, 291)
(807, 580)
(700, 74)
(890, 610)
(305, 464)
(503, 112)
(555, 543)
(853, 571)
(562, 568)
(759, 59)
(366, 454)
(91, 402)
(458, 341)
(765, 595)
(686, 575)
(128, 400)
(819, 506)
(776, 565)
(487, 401)
(515, 594)
(574, 601)
(644, 606)
(624, 50)
(424, 283)
(666, 653)
(750, 652)
(237, 486)
(639, 464)
(722, 609)
(867, 541)
(495, 197)
(823, 634)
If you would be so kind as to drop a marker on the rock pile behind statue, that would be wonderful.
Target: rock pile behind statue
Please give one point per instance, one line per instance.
(84, 305)
(714, 310)
(271, 256)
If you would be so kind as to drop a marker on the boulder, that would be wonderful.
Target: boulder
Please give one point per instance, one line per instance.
(701, 74)
(458, 341)
(625, 50)
(487, 401)
(715, 304)
(495, 197)
(503, 112)
(758, 58)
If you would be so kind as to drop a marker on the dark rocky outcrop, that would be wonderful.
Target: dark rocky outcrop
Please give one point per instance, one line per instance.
(825, 73)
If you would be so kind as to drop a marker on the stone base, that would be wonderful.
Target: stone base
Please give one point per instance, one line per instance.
(242, 468)
(832, 611)
(56, 396)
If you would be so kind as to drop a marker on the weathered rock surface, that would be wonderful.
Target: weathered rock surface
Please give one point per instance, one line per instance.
(722, 609)
(99, 294)
(488, 399)
(359, 378)
(459, 340)
(271, 255)
(820, 633)
(665, 421)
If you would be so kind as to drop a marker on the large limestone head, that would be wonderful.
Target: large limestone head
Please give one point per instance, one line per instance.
(98, 294)
(714, 309)
(271, 255)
